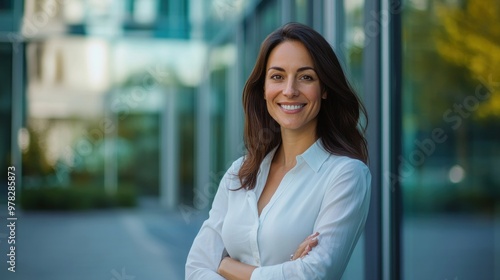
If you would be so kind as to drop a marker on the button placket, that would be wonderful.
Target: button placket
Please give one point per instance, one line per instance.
(283, 185)
(254, 231)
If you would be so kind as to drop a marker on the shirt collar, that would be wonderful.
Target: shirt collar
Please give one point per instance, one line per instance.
(315, 155)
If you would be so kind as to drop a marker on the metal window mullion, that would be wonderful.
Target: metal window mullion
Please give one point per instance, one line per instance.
(372, 99)
(203, 140)
(234, 95)
(330, 24)
(386, 144)
(169, 156)
(17, 109)
(395, 134)
(391, 131)
(18, 94)
(317, 16)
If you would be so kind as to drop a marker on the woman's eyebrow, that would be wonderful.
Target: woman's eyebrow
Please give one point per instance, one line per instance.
(275, 68)
(298, 70)
(305, 68)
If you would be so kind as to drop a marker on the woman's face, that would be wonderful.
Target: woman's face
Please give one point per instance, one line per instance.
(292, 88)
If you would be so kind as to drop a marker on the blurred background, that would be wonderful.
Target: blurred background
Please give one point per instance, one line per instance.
(121, 116)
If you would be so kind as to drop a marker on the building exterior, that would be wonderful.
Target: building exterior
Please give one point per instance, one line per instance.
(148, 93)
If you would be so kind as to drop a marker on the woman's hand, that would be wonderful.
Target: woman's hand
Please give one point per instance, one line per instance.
(306, 246)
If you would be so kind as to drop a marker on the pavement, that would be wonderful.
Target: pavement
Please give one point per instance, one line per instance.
(120, 244)
(149, 243)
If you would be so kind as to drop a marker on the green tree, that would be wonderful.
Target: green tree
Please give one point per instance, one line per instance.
(470, 38)
(34, 164)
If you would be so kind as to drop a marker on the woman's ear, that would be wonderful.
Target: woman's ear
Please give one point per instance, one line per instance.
(324, 93)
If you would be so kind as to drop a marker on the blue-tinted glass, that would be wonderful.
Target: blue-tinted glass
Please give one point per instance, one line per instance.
(303, 10)
(218, 113)
(351, 54)
(6, 5)
(5, 106)
(450, 153)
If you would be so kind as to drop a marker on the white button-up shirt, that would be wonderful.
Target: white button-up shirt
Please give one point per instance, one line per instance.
(322, 193)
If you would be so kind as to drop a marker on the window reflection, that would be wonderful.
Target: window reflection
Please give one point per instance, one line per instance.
(450, 187)
(5, 105)
(6, 5)
(351, 54)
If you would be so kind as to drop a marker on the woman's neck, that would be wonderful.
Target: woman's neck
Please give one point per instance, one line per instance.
(292, 145)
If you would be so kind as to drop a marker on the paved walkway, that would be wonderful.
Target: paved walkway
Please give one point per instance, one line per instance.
(143, 244)
(149, 243)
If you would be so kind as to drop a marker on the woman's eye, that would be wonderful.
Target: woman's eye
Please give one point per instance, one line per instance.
(307, 78)
(276, 77)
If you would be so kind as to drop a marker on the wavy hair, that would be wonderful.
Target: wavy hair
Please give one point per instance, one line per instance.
(338, 119)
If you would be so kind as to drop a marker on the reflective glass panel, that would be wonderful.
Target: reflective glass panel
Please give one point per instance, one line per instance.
(351, 55)
(450, 152)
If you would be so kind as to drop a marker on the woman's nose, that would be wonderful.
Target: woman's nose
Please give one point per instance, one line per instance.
(290, 89)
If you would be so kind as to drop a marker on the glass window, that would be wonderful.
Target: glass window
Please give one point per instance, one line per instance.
(269, 19)
(351, 56)
(172, 18)
(6, 5)
(303, 11)
(5, 105)
(187, 135)
(450, 153)
(353, 42)
(137, 152)
(218, 75)
(164, 7)
(64, 123)
(264, 21)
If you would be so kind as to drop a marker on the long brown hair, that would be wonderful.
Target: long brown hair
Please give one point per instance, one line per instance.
(338, 117)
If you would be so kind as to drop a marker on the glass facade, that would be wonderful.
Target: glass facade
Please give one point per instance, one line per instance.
(146, 95)
(448, 164)
(5, 104)
(6, 5)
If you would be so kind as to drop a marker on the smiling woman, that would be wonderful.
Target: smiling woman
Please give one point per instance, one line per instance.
(292, 89)
(295, 205)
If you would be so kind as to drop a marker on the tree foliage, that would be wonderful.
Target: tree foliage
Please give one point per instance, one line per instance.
(470, 38)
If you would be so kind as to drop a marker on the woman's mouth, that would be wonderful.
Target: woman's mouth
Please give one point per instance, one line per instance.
(292, 107)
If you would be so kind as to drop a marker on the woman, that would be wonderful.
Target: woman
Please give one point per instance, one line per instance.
(296, 204)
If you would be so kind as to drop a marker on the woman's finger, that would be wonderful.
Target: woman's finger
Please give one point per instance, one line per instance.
(306, 251)
(306, 246)
(312, 236)
(313, 242)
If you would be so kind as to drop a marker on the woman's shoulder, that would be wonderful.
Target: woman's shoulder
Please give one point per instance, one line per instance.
(346, 164)
(236, 165)
(234, 168)
(347, 173)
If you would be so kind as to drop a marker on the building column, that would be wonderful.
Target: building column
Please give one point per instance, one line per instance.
(372, 87)
(169, 156)
(201, 199)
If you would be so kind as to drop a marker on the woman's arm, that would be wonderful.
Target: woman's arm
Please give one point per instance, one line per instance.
(306, 246)
(232, 269)
(207, 250)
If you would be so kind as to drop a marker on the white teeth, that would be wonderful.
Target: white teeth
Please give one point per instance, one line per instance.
(291, 107)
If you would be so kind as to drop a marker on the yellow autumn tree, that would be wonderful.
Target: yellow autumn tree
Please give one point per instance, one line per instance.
(471, 39)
